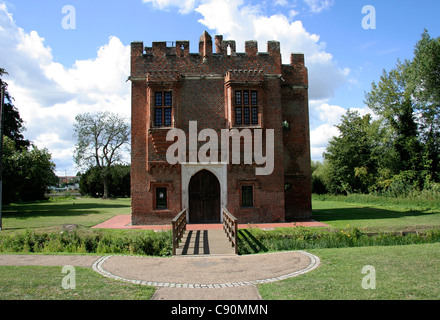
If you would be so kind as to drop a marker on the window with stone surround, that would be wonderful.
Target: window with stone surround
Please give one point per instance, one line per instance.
(246, 107)
(247, 196)
(161, 198)
(163, 103)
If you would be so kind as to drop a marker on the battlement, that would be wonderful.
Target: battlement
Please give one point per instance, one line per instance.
(215, 57)
(222, 48)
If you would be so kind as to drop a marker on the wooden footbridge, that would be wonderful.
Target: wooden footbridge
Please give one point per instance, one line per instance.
(205, 239)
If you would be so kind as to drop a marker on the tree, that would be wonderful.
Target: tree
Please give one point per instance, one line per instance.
(100, 138)
(424, 83)
(12, 122)
(319, 177)
(392, 99)
(408, 99)
(27, 172)
(400, 152)
(354, 157)
(119, 182)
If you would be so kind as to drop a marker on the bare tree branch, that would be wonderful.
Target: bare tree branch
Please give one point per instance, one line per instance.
(100, 137)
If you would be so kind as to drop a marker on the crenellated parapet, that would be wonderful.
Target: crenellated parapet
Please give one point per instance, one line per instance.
(208, 49)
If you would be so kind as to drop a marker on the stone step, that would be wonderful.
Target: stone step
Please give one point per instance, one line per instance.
(205, 242)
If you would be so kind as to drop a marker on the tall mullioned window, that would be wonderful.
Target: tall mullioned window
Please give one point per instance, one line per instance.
(163, 102)
(246, 107)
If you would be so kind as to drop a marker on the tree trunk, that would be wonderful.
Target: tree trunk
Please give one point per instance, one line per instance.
(105, 173)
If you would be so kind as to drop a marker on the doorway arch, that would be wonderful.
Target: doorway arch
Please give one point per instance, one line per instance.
(204, 198)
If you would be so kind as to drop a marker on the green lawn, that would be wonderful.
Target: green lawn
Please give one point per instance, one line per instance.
(402, 273)
(377, 213)
(45, 283)
(51, 215)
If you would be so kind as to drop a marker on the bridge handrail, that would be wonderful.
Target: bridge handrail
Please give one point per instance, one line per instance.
(179, 227)
(230, 225)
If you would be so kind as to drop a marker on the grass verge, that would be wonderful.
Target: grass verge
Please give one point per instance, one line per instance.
(51, 215)
(376, 213)
(45, 283)
(408, 272)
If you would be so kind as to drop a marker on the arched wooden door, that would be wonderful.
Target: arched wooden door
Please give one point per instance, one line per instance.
(204, 198)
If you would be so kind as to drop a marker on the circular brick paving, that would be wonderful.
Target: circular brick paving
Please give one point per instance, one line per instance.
(207, 271)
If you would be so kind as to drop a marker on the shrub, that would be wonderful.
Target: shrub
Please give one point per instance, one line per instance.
(142, 243)
(255, 241)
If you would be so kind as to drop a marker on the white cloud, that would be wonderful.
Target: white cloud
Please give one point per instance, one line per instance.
(93, 77)
(317, 6)
(293, 13)
(49, 95)
(282, 3)
(323, 120)
(239, 21)
(330, 114)
(320, 136)
(184, 6)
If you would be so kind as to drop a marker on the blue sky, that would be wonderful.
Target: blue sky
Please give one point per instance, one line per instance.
(56, 73)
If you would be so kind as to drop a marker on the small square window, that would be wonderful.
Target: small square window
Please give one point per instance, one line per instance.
(161, 198)
(247, 196)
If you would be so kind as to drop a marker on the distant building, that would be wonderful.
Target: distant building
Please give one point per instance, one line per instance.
(72, 182)
(172, 87)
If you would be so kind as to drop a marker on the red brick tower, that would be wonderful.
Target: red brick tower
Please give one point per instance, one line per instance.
(221, 90)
